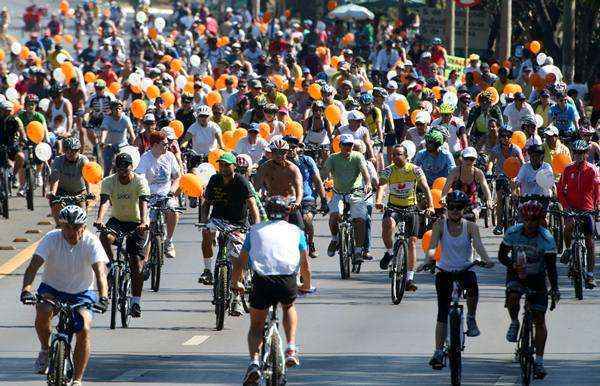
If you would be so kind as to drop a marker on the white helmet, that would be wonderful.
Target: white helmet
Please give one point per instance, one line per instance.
(243, 161)
(279, 144)
(203, 110)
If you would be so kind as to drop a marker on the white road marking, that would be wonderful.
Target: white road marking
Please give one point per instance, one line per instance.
(507, 380)
(195, 340)
(130, 375)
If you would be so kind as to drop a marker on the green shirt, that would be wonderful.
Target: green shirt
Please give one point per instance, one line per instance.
(70, 179)
(346, 171)
(27, 118)
(125, 198)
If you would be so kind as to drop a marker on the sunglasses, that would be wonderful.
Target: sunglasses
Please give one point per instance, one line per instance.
(279, 151)
(455, 207)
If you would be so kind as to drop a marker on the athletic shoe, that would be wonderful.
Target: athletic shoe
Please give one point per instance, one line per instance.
(499, 230)
(513, 331)
(206, 278)
(135, 311)
(411, 286)
(472, 329)
(385, 260)
(252, 375)
(41, 363)
(312, 251)
(437, 360)
(170, 249)
(332, 248)
(237, 308)
(539, 372)
(291, 358)
(590, 282)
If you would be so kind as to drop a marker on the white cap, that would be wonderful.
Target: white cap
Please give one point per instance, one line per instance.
(408, 63)
(426, 54)
(168, 130)
(346, 139)
(423, 117)
(469, 152)
(392, 84)
(551, 130)
(149, 118)
(356, 115)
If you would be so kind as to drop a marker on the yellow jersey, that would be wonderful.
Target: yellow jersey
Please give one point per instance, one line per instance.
(402, 183)
(372, 120)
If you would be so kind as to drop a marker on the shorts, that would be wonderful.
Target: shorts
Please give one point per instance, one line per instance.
(269, 290)
(358, 206)
(411, 221)
(539, 300)
(136, 243)
(309, 206)
(234, 243)
(588, 224)
(87, 297)
(172, 203)
(11, 151)
(95, 123)
(444, 287)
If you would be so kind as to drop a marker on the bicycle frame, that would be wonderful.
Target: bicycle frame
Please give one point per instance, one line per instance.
(272, 337)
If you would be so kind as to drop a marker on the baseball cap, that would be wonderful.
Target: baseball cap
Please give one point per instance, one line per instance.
(520, 96)
(551, 130)
(346, 139)
(168, 130)
(469, 152)
(355, 115)
(123, 159)
(148, 118)
(392, 84)
(408, 63)
(228, 158)
(423, 117)
(544, 93)
(255, 83)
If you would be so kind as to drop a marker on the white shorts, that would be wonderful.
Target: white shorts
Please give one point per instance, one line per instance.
(234, 242)
(358, 206)
(171, 204)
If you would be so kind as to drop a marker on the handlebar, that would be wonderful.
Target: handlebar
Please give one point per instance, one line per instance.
(63, 306)
(221, 226)
(432, 267)
(72, 200)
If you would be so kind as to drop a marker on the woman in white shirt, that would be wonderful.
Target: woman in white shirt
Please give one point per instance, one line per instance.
(205, 134)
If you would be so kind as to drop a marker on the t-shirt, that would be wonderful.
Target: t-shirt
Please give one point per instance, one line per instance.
(117, 129)
(434, 166)
(204, 138)
(255, 151)
(229, 200)
(535, 248)
(402, 183)
(513, 151)
(527, 182)
(564, 119)
(226, 123)
(413, 135)
(308, 169)
(360, 133)
(68, 268)
(346, 171)
(125, 198)
(28, 118)
(274, 247)
(514, 116)
(69, 174)
(158, 171)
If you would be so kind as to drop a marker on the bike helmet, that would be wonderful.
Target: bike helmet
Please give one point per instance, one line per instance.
(380, 92)
(446, 108)
(531, 210)
(435, 137)
(31, 98)
(72, 215)
(365, 98)
(442, 129)
(243, 161)
(203, 110)
(535, 148)
(505, 129)
(72, 143)
(328, 89)
(580, 146)
(457, 197)
(277, 208)
(436, 41)
(55, 90)
(279, 144)
(528, 120)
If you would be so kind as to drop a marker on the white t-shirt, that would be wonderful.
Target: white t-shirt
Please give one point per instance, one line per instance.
(514, 116)
(255, 151)
(413, 135)
(453, 126)
(68, 268)
(527, 182)
(204, 138)
(158, 171)
(360, 133)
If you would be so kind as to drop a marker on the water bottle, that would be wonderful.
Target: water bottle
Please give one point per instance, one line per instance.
(521, 261)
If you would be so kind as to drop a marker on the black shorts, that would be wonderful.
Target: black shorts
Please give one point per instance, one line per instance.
(309, 206)
(411, 221)
(539, 300)
(296, 218)
(444, 286)
(136, 243)
(269, 290)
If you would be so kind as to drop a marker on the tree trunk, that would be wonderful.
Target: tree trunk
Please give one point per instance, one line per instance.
(506, 30)
(568, 42)
(450, 25)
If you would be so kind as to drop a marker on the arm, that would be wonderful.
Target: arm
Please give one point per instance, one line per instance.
(422, 182)
(143, 212)
(436, 235)
(104, 202)
(69, 113)
(238, 265)
(478, 244)
(369, 153)
(379, 194)
(318, 183)
(503, 256)
(130, 132)
(253, 209)
(551, 268)
(205, 210)
(305, 273)
(100, 273)
(298, 189)
(175, 184)
(34, 265)
(366, 177)
(449, 182)
(219, 139)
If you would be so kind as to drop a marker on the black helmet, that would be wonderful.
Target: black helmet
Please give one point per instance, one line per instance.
(277, 208)
(55, 90)
(535, 148)
(72, 215)
(457, 197)
(580, 146)
(72, 143)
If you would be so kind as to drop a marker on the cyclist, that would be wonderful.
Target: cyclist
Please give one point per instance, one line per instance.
(230, 196)
(26, 116)
(526, 179)
(416, 134)
(60, 114)
(73, 259)
(127, 193)
(457, 237)
(518, 109)
(161, 169)
(66, 178)
(205, 134)
(529, 253)
(455, 126)
(373, 122)
(434, 160)
(96, 107)
(564, 116)
(318, 129)
(11, 131)
(579, 189)
(277, 251)
(356, 128)
(553, 145)
(403, 178)
(245, 166)
(347, 167)
(253, 144)
(185, 114)
(116, 131)
(76, 97)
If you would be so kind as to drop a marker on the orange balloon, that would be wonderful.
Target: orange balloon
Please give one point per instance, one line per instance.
(279, 81)
(511, 88)
(537, 81)
(494, 92)
(89, 77)
(58, 39)
(135, 89)
(2, 54)
(314, 90)
(64, 6)
(333, 114)
(35, 131)
(437, 92)
(336, 144)
(439, 183)
(24, 53)
(402, 106)
(176, 65)
(368, 86)
(425, 245)
(413, 116)
(266, 17)
(229, 140)
(152, 92)
(188, 88)
(550, 78)
(213, 97)
(518, 138)
(191, 185)
(331, 5)
(166, 59)
(287, 14)
(16, 107)
(239, 134)
(153, 33)
(436, 194)
(208, 80)
(68, 70)
(511, 167)
(92, 172)
(177, 127)
(138, 108)
(69, 38)
(560, 162)
(294, 129)
(494, 68)
(535, 46)
(264, 130)
(201, 28)
(213, 157)
(168, 98)
(335, 61)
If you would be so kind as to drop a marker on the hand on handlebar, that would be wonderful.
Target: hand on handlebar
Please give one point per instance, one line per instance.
(102, 305)
(430, 211)
(50, 196)
(487, 264)
(27, 297)
(554, 294)
(143, 227)
(379, 206)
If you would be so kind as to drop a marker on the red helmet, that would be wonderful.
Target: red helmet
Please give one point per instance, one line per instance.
(532, 210)
(31, 98)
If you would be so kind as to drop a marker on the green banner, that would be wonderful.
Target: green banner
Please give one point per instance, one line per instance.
(454, 63)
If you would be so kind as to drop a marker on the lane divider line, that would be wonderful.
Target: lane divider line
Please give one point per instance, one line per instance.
(18, 260)
(195, 340)
(130, 375)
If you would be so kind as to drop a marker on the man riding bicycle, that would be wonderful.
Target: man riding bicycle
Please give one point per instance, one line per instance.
(96, 107)
(116, 131)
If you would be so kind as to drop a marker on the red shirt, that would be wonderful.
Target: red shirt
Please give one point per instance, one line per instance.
(579, 187)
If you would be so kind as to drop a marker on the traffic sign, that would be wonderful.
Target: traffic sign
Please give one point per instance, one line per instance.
(467, 3)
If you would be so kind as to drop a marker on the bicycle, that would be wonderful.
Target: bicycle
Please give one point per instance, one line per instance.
(346, 237)
(71, 200)
(5, 183)
(158, 234)
(526, 344)
(60, 356)
(272, 359)
(119, 280)
(556, 224)
(455, 340)
(30, 172)
(223, 295)
(508, 215)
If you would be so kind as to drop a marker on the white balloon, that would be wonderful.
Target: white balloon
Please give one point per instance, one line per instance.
(12, 79)
(43, 151)
(410, 147)
(16, 48)
(206, 168)
(541, 59)
(146, 82)
(539, 121)
(44, 103)
(134, 79)
(181, 81)
(195, 60)
(141, 17)
(134, 153)
(58, 75)
(320, 26)
(60, 58)
(450, 98)
(545, 178)
(159, 23)
(12, 94)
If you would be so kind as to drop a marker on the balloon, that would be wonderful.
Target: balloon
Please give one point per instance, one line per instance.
(141, 17)
(239, 134)
(512, 88)
(401, 105)
(264, 130)
(541, 58)
(160, 24)
(145, 83)
(15, 48)
(436, 194)
(114, 87)
(44, 104)
(437, 92)
(153, 33)
(12, 94)
(539, 121)
(331, 5)
(180, 81)
(425, 245)
(439, 183)
(61, 58)
(195, 60)
(176, 65)
(57, 39)
(535, 46)
(12, 79)
(92, 172)
(550, 78)
(177, 127)
(188, 88)
(35, 131)
(213, 97)
(89, 77)
(214, 155)
(208, 80)
(138, 108)
(367, 86)
(335, 61)
(69, 70)
(314, 90)
(2, 54)
(43, 151)
(168, 98)
(293, 129)
(220, 82)
(69, 38)
(537, 81)
(64, 6)
(133, 152)
(410, 147)
(24, 53)
(229, 140)
(191, 185)
(335, 145)
(518, 138)
(511, 167)
(135, 79)
(279, 81)
(560, 162)
(206, 168)
(333, 114)
(545, 178)
(266, 17)
(152, 92)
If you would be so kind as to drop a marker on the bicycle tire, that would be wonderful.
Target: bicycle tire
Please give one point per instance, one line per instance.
(526, 350)
(344, 254)
(125, 300)
(576, 270)
(399, 271)
(56, 369)
(5, 193)
(156, 267)
(274, 365)
(221, 296)
(114, 287)
(454, 351)
(29, 190)
(245, 296)
(557, 232)
(44, 180)
(486, 218)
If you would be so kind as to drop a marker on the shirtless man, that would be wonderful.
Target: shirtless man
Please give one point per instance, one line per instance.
(280, 177)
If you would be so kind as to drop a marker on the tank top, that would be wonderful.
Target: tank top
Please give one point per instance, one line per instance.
(457, 252)
(469, 189)
(316, 137)
(57, 112)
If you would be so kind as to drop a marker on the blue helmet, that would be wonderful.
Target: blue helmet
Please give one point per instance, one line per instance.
(365, 98)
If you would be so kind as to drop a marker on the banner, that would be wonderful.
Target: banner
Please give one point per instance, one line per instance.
(455, 63)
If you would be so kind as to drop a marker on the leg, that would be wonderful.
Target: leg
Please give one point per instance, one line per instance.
(136, 265)
(257, 322)
(43, 323)
(567, 234)
(359, 232)
(591, 254)
(290, 322)
(81, 355)
(19, 169)
(443, 290)
(308, 227)
(207, 248)
(55, 209)
(470, 283)
(512, 305)
(387, 231)
(412, 253)
(334, 219)
(540, 332)
(107, 241)
(171, 218)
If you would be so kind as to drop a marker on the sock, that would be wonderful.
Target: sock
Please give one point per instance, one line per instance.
(135, 299)
(411, 275)
(254, 361)
(539, 359)
(390, 251)
(334, 237)
(207, 264)
(292, 346)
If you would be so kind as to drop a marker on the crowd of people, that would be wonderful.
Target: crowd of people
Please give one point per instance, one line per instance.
(280, 118)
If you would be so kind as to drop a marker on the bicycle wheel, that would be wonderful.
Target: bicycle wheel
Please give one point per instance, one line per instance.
(45, 174)
(344, 254)
(29, 182)
(399, 270)
(454, 351)
(5, 193)
(245, 297)
(576, 270)
(275, 364)
(221, 296)
(125, 299)
(114, 294)
(556, 224)
(56, 368)
(156, 266)
(526, 351)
